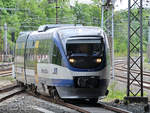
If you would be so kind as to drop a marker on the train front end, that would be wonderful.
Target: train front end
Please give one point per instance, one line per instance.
(87, 59)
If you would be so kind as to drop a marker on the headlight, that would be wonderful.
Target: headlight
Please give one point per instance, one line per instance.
(71, 60)
(98, 60)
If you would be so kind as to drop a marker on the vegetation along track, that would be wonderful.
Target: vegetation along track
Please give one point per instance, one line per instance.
(120, 65)
(9, 91)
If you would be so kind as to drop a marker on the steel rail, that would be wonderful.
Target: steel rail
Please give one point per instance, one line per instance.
(6, 67)
(145, 73)
(120, 65)
(123, 68)
(134, 84)
(8, 88)
(115, 109)
(10, 92)
(5, 73)
(77, 107)
(59, 102)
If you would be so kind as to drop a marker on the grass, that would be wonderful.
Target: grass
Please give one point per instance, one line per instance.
(146, 62)
(146, 65)
(114, 93)
(8, 78)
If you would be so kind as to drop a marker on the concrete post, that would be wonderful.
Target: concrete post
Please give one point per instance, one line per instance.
(5, 42)
(102, 15)
(149, 30)
(113, 67)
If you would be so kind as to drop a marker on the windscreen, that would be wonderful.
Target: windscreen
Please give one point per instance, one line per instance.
(85, 49)
(85, 54)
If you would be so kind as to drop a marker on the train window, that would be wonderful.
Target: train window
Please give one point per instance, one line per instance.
(33, 43)
(56, 57)
(30, 60)
(50, 52)
(19, 55)
(85, 49)
(43, 51)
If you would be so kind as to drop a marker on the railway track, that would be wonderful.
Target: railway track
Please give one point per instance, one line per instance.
(81, 106)
(58, 101)
(12, 90)
(8, 88)
(5, 66)
(6, 69)
(121, 66)
(9, 91)
(5, 73)
(91, 107)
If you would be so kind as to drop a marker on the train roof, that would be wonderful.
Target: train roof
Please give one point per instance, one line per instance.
(66, 31)
(23, 35)
(71, 31)
(76, 31)
(43, 28)
(79, 33)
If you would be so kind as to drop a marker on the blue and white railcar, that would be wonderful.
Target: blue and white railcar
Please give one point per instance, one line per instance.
(73, 60)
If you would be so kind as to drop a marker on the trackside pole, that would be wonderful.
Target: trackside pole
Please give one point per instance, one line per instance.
(113, 68)
(102, 15)
(109, 21)
(135, 54)
(5, 42)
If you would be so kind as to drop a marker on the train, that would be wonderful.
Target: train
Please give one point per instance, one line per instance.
(67, 61)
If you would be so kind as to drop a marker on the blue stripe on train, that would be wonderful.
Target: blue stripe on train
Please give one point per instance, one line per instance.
(62, 82)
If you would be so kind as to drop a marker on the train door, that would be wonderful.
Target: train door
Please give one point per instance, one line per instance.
(56, 58)
(19, 61)
(30, 61)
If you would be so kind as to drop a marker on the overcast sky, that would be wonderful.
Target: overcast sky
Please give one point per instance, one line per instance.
(121, 4)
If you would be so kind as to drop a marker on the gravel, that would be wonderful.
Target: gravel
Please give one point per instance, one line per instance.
(24, 103)
(132, 107)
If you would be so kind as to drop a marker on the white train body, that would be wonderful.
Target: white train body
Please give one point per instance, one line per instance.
(74, 60)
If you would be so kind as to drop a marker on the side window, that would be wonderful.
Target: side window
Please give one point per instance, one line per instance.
(30, 62)
(40, 52)
(56, 59)
(50, 51)
(43, 51)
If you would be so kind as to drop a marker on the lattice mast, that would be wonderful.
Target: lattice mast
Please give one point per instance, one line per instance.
(135, 52)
